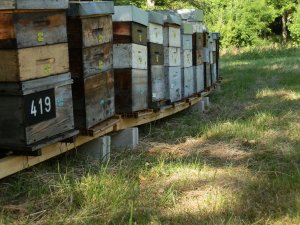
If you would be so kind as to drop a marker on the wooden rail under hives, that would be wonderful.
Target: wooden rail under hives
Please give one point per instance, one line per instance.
(13, 164)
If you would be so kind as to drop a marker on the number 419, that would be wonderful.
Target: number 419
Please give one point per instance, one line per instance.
(44, 106)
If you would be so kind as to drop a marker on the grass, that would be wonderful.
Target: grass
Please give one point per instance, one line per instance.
(238, 163)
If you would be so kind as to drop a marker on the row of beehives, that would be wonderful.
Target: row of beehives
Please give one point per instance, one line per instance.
(66, 71)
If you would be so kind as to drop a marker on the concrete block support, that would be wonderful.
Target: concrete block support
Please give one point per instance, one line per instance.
(98, 149)
(198, 107)
(206, 102)
(125, 139)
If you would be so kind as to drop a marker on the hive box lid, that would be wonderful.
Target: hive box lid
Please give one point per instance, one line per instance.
(170, 17)
(32, 86)
(186, 28)
(130, 13)
(155, 17)
(90, 8)
(192, 15)
(34, 4)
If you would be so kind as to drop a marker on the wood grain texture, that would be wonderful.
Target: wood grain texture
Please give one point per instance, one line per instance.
(157, 84)
(93, 99)
(131, 90)
(199, 78)
(22, 30)
(91, 61)
(129, 32)
(13, 131)
(88, 32)
(188, 85)
(173, 83)
(33, 4)
(172, 37)
(155, 54)
(7, 4)
(198, 57)
(207, 74)
(198, 41)
(186, 58)
(31, 63)
(172, 56)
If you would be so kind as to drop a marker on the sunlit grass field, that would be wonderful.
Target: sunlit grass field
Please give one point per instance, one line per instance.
(237, 163)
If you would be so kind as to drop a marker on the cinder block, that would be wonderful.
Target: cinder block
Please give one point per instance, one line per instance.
(198, 107)
(206, 102)
(125, 139)
(98, 149)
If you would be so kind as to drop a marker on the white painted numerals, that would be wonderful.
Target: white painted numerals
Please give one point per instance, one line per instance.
(42, 106)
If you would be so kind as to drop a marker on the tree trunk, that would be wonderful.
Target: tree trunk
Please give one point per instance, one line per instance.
(284, 28)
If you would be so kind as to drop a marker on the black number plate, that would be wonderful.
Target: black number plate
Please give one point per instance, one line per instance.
(39, 107)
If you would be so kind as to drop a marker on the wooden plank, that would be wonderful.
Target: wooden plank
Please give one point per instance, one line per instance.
(129, 32)
(7, 4)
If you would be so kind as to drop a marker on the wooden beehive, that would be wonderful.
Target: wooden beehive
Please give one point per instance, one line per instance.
(86, 32)
(173, 83)
(188, 85)
(93, 99)
(157, 84)
(35, 113)
(187, 42)
(172, 36)
(130, 56)
(155, 54)
(208, 75)
(21, 29)
(186, 58)
(199, 79)
(155, 27)
(85, 62)
(172, 56)
(31, 63)
(129, 32)
(131, 90)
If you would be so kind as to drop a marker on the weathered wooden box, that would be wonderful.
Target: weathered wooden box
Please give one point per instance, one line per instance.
(130, 13)
(172, 56)
(199, 78)
(93, 99)
(172, 36)
(86, 32)
(31, 63)
(155, 27)
(35, 112)
(130, 56)
(131, 90)
(198, 40)
(90, 8)
(188, 85)
(129, 32)
(187, 42)
(28, 29)
(198, 57)
(157, 84)
(208, 76)
(173, 83)
(155, 54)
(206, 57)
(85, 62)
(33, 4)
(187, 58)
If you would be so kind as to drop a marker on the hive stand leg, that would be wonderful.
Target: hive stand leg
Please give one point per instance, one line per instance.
(98, 149)
(126, 139)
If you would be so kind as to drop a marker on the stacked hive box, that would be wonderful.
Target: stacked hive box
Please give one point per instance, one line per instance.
(36, 100)
(172, 55)
(130, 59)
(157, 89)
(188, 78)
(195, 17)
(214, 56)
(91, 60)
